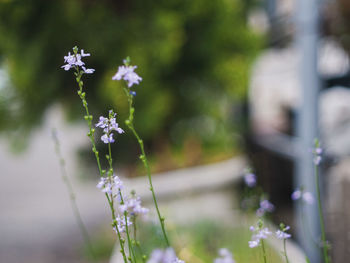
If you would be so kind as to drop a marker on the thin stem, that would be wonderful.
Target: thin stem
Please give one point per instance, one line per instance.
(137, 243)
(263, 250)
(135, 227)
(285, 250)
(110, 173)
(90, 134)
(143, 157)
(323, 233)
(131, 248)
(121, 240)
(72, 197)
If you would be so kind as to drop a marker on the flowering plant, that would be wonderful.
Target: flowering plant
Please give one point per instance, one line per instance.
(127, 209)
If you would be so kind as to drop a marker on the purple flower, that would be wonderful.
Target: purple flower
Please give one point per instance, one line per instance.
(101, 183)
(317, 159)
(282, 234)
(88, 71)
(107, 138)
(133, 206)
(128, 74)
(84, 54)
(317, 152)
(118, 183)
(254, 243)
(258, 234)
(103, 122)
(250, 179)
(107, 184)
(265, 206)
(164, 256)
(296, 195)
(308, 198)
(109, 125)
(305, 196)
(132, 78)
(74, 61)
(115, 126)
(225, 256)
(122, 223)
(263, 233)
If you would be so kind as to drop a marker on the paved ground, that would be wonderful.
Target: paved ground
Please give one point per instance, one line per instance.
(36, 221)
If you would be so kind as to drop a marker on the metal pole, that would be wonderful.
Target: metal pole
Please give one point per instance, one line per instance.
(307, 125)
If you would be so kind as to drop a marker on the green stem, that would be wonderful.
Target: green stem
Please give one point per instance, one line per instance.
(72, 197)
(263, 250)
(285, 250)
(110, 161)
(121, 240)
(131, 248)
(323, 233)
(90, 134)
(143, 157)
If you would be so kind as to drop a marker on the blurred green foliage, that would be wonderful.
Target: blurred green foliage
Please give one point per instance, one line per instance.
(194, 57)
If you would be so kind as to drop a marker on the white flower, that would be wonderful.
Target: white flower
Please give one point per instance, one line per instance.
(103, 122)
(307, 197)
(259, 233)
(121, 223)
(122, 70)
(107, 188)
(117, 182)
(128, 74)
(254, 243)
(109, 125)
(107, 184)
(133, 205)
(282, 235)
(107, 138)
(250, 179)
(88, 71)
(164, 256)
(74, 60)
(263, 233)
(84, 54)
(265, 206)
(225, 256)
(101, 183)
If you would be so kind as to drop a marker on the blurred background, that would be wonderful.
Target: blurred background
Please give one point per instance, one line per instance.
(222, 80)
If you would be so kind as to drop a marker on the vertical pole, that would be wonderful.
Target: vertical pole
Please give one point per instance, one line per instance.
(307, 125)
(271, 10)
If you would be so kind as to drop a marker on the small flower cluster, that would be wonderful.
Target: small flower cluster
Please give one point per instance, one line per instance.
(305, 196)
(127, 73)
(122, 222)
(164, 256)
(109, 125)
(250, 179)
(262, 233)
(317, 152)
(133, 206)
(107, 184)
(265, 206)
(74, 61)
(130, 206)
(225, 256)
(259, 233)
(281, 233)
